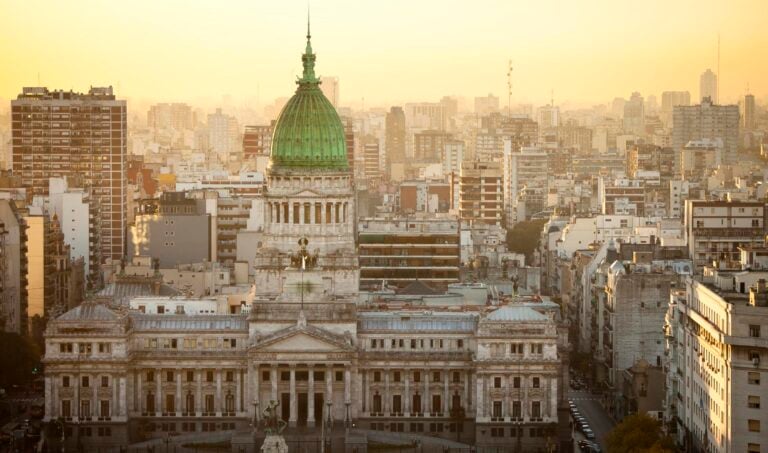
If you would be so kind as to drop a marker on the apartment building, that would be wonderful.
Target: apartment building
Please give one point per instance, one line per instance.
(480, 192)
(716, 229)
(63, 133)
(717, 363)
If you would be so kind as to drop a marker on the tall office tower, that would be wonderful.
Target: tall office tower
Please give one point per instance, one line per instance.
(708, 86)
(13, 269)
(372, 171)
(485, 105)
(222, 132)
(330, 88)
(548, 116)
(428, 145)
(395, 136)
(171, 116)
(748, 115)
(451, 108)
(671, 99)
(634, 115)
(707, 120)
(62, 133)
(453, 156)
(574, 136)
(617, 107)
(480, 192)
(425, 115)
(526, 185)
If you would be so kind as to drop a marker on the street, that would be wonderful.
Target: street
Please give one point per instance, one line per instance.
(598, 419)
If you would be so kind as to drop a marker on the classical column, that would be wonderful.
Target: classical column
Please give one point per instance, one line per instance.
(294, 406)
(273, 379)
(447, 394)
(329, 385)
(311, 391)
(218, 405)
(479, 410)
(238, 392)
(467, 402)
(322, 213)
(121, 395)
(199, 396)
(347, 384)
(427, 406)
(312, 210)
(407, 392)
(95, 404)
(387, 396)
(252, 394)
(114, 408)
(158, 390)
(140, 400)
(77, 379)
(179, 399)
(49, 402)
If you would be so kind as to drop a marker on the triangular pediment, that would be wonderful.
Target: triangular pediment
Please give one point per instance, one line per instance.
(303, 339)
(307, 193)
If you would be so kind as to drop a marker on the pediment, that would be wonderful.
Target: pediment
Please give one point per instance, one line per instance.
(307, 193)
(303, 339)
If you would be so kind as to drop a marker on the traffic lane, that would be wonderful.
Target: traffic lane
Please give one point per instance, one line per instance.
(599, 421)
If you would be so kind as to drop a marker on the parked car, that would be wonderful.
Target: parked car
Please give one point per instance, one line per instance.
(589, 434)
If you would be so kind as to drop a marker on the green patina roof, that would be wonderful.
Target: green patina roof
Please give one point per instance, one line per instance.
(308, 132)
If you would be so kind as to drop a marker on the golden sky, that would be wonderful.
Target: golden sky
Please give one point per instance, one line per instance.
(386, 51)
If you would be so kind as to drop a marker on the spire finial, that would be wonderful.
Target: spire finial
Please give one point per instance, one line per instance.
(308, 59)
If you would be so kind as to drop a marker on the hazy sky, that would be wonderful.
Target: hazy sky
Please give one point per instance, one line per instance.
(386, 51)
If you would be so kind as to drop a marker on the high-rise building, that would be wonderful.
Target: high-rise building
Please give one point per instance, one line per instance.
(453, 156)
(671, 99)
(485, 105)
(257, 141)
(395, 136)
(371, 168)
(480, 192)
(222, 132)
(171, 116)
(749, 115)
(525, 182)
(13, 269)
(707, 120)
(708, 86)
(634, 115)
(62, 133)
(330, 88)
(425, 115)
(428, 145)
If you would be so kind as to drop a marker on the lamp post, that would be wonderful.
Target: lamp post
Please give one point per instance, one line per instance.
(347, 418)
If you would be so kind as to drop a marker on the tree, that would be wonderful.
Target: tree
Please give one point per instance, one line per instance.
(22, 353)
(524, 237)
(639, 433)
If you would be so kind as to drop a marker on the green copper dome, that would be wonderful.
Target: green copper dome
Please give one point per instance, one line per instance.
(308, 132)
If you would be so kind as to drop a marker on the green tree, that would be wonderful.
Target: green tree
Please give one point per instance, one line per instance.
(19, 357)
(524, 237)
(639, 434)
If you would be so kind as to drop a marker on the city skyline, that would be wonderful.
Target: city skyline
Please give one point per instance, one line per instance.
(245, 51)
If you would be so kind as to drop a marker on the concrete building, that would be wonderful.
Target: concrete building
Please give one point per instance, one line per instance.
(428, 145)
(78, 213)
(634, 115)
(177, 116)
(395, 132)
(485, 105)
(330, 87)
(708, 87)
(453, 156)
(716, 229)
(717, 363)
(223, 132)
(707, 121)
(749, 114)
(481, 192)
(59, 134)
(399, 251)
(671, 99)
(526, 182)
(698, 158)
(257, 142)
(425, 116)
(371, 168)
(13, 269)
(174, 230)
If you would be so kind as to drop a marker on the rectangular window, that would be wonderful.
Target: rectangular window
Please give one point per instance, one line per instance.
(754, 426)
(105, 348)
(230, 376)
(84, 381)
(396, 376)
(753, 377)
(104, 408)
(105, 381)
(459, 344)
(66, 408)
(169, 376)
(753, 448)
(456, 377)
(266, 376)
(65, 381)
(497, 382)
(535, 409)
(516, 382)
(416, 376)
(536, 383)
(753, 402)
(754, 331)
(517, 409)
(497, 409)
(377, 376)
(436, 376)
(190, 376)
(209, 376)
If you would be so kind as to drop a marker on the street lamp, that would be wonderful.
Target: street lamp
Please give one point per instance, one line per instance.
(347, 418)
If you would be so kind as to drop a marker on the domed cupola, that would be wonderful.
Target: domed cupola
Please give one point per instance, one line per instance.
(309, 133)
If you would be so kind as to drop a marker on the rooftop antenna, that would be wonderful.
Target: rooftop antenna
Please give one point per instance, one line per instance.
(552, 97)
(509, 88)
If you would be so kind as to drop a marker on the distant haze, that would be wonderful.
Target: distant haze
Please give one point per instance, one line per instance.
(384, 51)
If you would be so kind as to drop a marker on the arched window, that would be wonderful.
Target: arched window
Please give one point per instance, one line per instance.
(230, 402)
